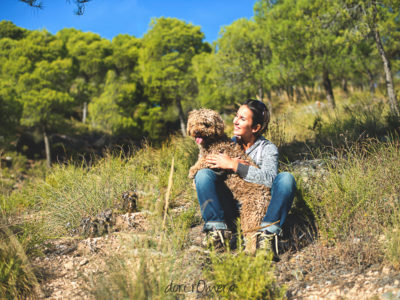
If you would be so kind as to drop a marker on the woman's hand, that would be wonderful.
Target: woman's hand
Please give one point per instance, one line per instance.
(223, 161)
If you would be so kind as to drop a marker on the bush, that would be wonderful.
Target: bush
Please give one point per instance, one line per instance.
(71, 192)
(362, 118)
(392, 246)
(241, 276)
(17, 280)
(357, 192)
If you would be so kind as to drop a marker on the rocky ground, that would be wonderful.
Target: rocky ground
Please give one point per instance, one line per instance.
(68, 266)
(307, 278)
(308, 269)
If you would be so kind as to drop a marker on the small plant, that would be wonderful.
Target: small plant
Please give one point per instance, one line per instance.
(241, 276)
(17, 280)
(392, 245)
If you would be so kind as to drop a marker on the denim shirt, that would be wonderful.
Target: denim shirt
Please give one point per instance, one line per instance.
(265, 155)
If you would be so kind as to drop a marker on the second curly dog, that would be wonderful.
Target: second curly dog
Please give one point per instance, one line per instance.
(207, 128)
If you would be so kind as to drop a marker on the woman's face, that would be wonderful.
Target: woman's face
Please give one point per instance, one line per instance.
(243, 122)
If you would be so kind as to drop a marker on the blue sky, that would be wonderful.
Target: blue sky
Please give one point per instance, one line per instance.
(112, 17)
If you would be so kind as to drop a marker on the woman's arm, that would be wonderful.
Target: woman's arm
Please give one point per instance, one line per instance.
(266, 158)
(223, 161)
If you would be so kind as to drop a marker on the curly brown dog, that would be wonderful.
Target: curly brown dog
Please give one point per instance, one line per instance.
(207, 127)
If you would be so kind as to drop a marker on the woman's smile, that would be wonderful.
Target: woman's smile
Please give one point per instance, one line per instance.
(243, 122)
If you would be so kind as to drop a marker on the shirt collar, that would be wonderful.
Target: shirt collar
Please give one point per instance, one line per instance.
(259, 140)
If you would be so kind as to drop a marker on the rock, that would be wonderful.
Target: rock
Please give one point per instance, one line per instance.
(98, 225)
(83, 249)
(385, 270)
(298, 274)
(69, 265)
(83, 262)
(129, 201)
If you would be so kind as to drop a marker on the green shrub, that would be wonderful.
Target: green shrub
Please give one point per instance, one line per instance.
(17, 280)
(241, 276)
(362, 117)
(392, 245)
(71, 192)
(356, 194)
(143, 276)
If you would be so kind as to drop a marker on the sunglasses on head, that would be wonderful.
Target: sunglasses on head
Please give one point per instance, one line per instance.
(258, 104)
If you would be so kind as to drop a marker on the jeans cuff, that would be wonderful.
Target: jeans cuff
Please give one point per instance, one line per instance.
(218, 225)
(271, 229)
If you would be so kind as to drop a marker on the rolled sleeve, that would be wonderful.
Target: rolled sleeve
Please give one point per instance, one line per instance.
(242, 170)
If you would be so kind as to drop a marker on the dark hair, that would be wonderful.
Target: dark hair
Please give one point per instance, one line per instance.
(260, 114)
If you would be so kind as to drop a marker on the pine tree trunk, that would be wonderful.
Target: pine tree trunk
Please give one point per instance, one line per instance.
(386, 65)
(261, 98)
(269, 104)
(371, 82)
(328, 89)
(305, 92)
(299, 96)
(84, 112)
(344, 86)
(260, 94)
(288, 93)
(47, 148)
(182, 118)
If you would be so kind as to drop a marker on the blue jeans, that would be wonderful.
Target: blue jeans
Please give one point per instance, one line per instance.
(219, 210)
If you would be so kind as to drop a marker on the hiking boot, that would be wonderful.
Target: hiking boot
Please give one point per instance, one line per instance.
(215, 238)
(268, 241)
(236, 242)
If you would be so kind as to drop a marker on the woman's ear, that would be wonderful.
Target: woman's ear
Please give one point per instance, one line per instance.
(254, 130)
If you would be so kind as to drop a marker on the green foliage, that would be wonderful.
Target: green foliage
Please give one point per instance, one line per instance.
(392, 245)
(209, 95)
(125, 54)
(357, 192)
(362, 117)
(241, 276)
(10, 110)
(114, 110)
(136, 88)
(17, 280)
(71, 192)
(165, 63)
(242, 61)
(9, 30)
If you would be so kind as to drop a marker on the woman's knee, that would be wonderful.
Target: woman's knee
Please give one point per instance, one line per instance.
(204, 176)
(285, 179)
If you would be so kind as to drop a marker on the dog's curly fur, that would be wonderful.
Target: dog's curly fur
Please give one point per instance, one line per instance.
(207, 125)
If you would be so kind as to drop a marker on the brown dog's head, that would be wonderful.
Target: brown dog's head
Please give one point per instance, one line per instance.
(205, 125)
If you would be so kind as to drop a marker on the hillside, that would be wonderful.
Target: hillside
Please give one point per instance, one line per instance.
(341, 239)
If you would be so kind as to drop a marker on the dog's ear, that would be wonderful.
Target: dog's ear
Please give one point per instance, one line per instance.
(219, 124)
(189, 125)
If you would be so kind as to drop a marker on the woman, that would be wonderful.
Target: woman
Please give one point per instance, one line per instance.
(216, 201)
